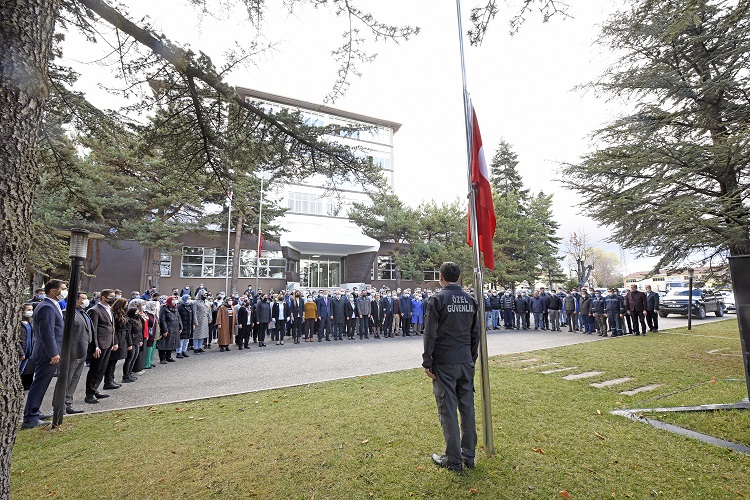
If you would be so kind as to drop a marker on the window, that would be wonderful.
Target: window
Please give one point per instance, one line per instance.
(313, 119)
(384, 268)
(313, 204)
(272, 264)
(381, 160)
(165, 264)
(199, 262)
(432, 275)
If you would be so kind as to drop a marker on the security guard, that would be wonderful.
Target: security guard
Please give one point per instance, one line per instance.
(451, 343)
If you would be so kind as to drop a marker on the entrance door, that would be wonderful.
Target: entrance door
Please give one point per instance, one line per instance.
(320, 271)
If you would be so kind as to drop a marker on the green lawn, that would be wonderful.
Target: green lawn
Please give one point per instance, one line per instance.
(371, 437)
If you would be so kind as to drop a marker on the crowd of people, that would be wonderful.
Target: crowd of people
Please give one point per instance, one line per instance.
(589, 312)
(109, 329)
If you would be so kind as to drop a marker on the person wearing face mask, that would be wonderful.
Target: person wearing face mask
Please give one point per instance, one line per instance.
(262, 318)
(507, 306)
(225, 319)
(339, 317)
(325, 316)
(38, 295)
(352, 314)
(615, 311)
(25, 346)
(170, 325)
(405, 306)
(81, 334)
(101, 346)
(386, 305)
(417, 316)
(281, 313)
(202, 320)
(187, 316)
(298, 316)
(311, 314)
(599, 309)
(48, 333)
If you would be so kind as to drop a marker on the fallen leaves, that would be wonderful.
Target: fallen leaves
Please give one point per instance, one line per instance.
(599, 436)
(421, 467)
(598, 412)
(566, 495)
(539, 450)
(473, 491)
(365, 441)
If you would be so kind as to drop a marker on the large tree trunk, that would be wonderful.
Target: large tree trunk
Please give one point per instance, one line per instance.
(26, 28)
(237, 247)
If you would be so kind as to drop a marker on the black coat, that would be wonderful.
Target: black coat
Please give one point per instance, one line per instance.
(350, 308)
(337, 309)
(187, 315)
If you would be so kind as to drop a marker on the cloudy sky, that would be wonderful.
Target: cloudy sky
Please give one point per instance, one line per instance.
(523, 87)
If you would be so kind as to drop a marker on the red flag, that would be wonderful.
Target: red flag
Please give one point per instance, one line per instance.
(260, 242)
(485, 210)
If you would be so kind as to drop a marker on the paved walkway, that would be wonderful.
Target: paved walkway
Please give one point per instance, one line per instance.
(215, 373)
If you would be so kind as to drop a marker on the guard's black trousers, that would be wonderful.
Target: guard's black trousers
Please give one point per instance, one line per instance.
(454, 390)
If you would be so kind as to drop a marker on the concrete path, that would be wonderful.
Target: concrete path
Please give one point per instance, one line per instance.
(215, 373)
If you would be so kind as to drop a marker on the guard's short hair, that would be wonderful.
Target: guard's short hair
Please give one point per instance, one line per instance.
(52, 285)
(450, 272)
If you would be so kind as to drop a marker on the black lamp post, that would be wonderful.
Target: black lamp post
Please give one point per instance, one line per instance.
(691, 273)
(79, 239)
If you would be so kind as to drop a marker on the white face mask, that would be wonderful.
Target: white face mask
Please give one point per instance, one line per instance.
(62, 295)
(28, 314)
(85, 304)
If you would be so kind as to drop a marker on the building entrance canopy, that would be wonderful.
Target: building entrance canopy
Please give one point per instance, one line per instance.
(328, 242)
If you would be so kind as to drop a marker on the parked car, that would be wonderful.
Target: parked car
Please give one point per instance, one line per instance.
(729, 304)
(703, 302)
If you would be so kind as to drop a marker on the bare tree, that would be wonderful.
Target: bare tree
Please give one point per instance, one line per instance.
(580, 254)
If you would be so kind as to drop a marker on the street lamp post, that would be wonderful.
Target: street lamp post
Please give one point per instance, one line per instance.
(691, 273)
(79, 239)
(264, 176)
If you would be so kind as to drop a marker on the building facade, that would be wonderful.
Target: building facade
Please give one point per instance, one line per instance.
(319, 248)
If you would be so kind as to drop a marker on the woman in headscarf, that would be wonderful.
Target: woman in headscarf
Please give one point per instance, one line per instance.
(140, 362)
(154, 332)
(171, 326)
(202, 319)
(25, 345)
(225, 321)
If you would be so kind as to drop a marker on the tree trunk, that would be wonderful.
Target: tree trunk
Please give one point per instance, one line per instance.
(237, 244)
(26, 29)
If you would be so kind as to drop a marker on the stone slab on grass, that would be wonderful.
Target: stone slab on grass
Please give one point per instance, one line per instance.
(558, 370)
(577, 376)
(614, 381)
(645, 388)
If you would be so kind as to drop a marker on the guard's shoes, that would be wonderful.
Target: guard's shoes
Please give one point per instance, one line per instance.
(72, 411)
(442, 461)
(99, 395)
(33, 423)
(92, 400)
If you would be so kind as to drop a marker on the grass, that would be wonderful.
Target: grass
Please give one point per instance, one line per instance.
(370, 437)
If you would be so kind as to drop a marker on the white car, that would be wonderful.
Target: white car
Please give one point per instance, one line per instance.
(728, 300)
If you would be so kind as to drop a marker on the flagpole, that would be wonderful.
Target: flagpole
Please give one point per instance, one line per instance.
(478, 277)
(260, 234)
(229, 228)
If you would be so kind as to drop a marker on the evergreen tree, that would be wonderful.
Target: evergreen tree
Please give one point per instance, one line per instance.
(672, 176)
(504, 171)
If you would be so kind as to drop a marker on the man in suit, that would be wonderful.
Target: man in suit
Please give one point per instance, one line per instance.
(405, 307)
(102, 345)
(80, 337)
(325, 316)
(244, 324)
(48, 334)
(652, 309)
(387, 308)
(339, 317)
(298, 316)
(635, 306)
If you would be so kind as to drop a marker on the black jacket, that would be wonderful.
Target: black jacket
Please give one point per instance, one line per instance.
(451, 329)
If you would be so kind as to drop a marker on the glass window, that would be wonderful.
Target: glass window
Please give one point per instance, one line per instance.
(385, 268)
(165, 264)
(213, 263)
(432, 275)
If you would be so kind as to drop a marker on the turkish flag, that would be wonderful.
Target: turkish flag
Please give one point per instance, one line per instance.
(484, 208)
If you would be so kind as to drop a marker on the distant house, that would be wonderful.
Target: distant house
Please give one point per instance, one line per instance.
(664, 279)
